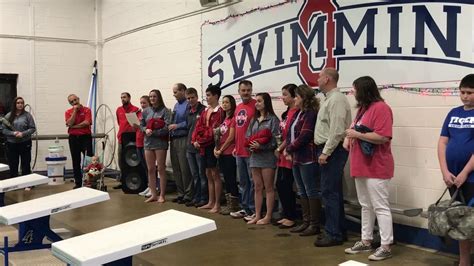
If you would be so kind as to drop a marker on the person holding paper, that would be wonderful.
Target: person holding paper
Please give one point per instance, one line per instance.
(124, 125)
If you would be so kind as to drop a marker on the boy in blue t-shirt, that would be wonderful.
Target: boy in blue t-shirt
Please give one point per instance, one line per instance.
(455, 152)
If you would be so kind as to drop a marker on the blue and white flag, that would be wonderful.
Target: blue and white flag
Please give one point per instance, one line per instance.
(92, 99)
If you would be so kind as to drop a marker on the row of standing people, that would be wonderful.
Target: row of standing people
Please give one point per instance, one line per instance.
(318, 149)
(316, 140)
(311, 152)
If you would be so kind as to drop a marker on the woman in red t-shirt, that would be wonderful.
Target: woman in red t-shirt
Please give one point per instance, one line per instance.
(371, 164)
(284, 182)
(223, 153)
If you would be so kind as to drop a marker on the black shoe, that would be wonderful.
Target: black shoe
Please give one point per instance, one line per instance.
(76, 186)
(183, 201)
(119, 186)
(200, 204)
(177, 200)
(191, 203)
(327, 242)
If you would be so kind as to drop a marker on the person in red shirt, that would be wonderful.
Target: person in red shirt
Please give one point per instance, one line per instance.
(124, 126)
(203, 139)
(223, 152)
(243, 114)
(78, 121)
(284, 182)
(368, 141)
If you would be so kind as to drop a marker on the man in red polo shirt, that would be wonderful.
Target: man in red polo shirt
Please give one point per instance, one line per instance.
(78, 122)
(124, 126)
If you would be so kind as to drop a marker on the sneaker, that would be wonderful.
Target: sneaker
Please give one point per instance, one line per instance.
(190, 203)
(380, 254)
(238, 214)
(327, 241)
(144, 192)
(249, 217)
(200, 204)
(148, 194)
(177, 199)
(358, 247)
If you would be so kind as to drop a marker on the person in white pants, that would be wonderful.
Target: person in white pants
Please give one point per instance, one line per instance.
(371, 164)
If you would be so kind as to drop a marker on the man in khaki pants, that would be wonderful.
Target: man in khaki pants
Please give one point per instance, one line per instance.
(178, 144)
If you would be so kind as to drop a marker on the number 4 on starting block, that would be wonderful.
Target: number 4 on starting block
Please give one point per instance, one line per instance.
(33, 216)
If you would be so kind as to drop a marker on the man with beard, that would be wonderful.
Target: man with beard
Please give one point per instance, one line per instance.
(124, 126)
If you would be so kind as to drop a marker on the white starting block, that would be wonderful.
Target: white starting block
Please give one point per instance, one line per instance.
(33, 216)
(22, 182)
(117, 244)
(4, 167)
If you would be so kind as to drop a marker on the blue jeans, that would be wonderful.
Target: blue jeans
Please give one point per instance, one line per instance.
(246, 188)
(200, 193)
(307, 180)
(332, 175)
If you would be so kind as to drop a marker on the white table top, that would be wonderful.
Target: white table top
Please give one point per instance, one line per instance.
(352, 263)
(131, 238)
(22, 182)
(3, 167)
(31, 209)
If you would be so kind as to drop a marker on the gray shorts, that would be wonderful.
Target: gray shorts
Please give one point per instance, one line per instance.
(263, 159)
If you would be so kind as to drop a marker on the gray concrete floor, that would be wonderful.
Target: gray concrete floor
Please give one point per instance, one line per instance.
(234, 242)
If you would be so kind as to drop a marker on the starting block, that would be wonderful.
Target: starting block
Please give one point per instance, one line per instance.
(4, 167)
(22, 182)
(34, 215)
(117, 244)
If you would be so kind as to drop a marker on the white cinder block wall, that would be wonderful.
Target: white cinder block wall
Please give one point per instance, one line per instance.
(50, 69)
(167, 53)
(170, 53)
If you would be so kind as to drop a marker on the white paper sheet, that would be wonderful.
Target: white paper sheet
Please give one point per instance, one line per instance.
(132, 119)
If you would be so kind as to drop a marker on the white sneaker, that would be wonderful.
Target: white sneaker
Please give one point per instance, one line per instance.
(380, 254)
(358, 247)
(238, 214)
(249, 217)
(148, 194)
(144, 192)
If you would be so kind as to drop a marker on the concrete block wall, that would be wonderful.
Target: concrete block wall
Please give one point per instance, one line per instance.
(48, 70)
(162, 55)
(169, 53)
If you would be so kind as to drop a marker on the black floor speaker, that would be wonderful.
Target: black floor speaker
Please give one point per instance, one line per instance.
(133, 176)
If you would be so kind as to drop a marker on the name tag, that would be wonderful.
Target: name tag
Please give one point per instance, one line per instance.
(55, 210)
(154, 244)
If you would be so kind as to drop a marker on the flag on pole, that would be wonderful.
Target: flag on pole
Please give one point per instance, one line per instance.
(92, 99)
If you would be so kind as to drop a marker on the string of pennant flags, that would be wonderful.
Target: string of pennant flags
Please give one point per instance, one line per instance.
(261, 8)
(422, 91)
